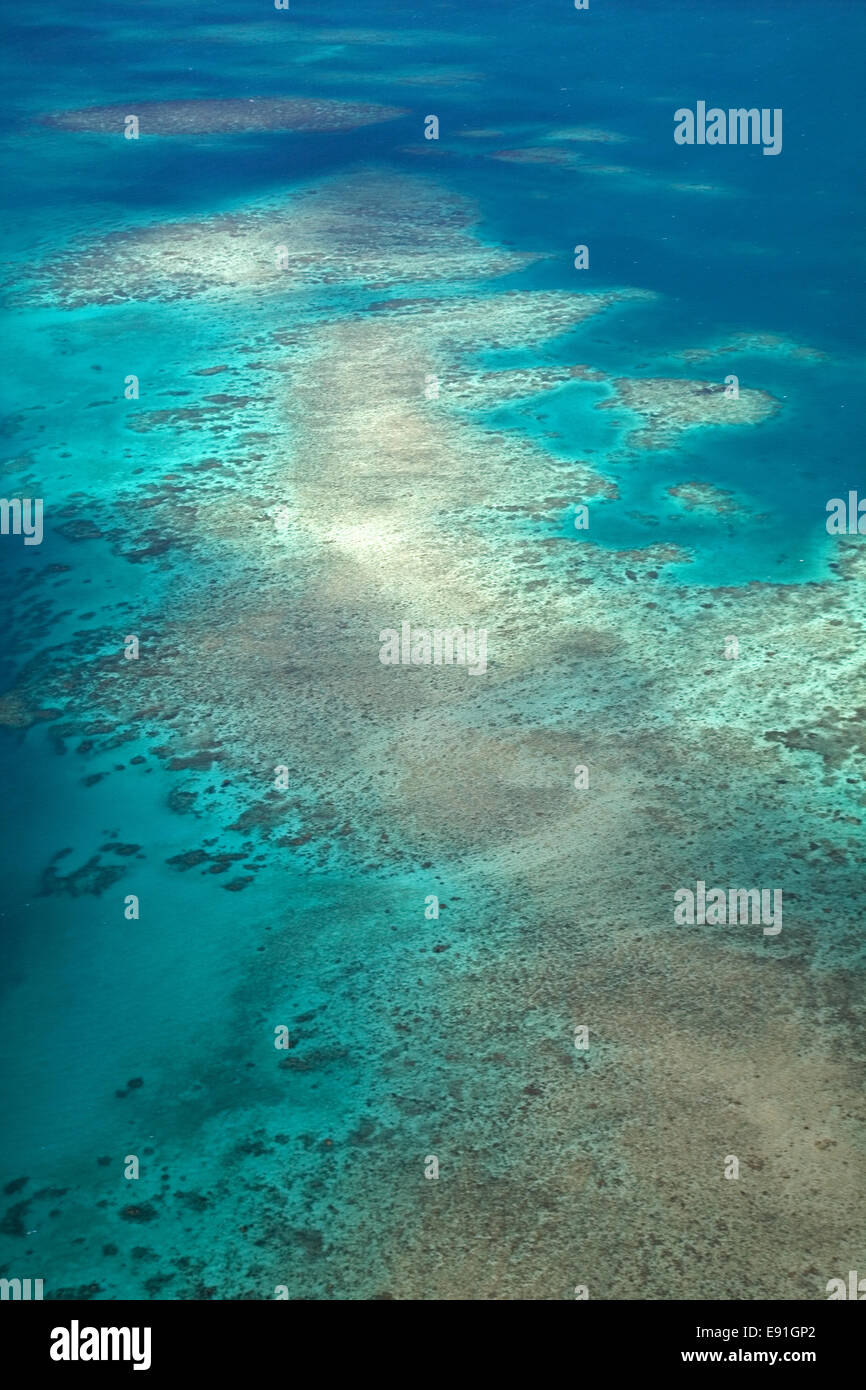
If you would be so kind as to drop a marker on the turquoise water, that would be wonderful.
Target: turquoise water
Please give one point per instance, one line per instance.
(303, 906)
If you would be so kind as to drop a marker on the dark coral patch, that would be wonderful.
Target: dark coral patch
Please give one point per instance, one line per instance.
(144, 1212)
(92, 877)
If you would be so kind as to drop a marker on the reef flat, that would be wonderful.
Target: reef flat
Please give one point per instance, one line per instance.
(226, 116)
(747, 343)
(672, 405)
(697, 496)
(361, 229)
